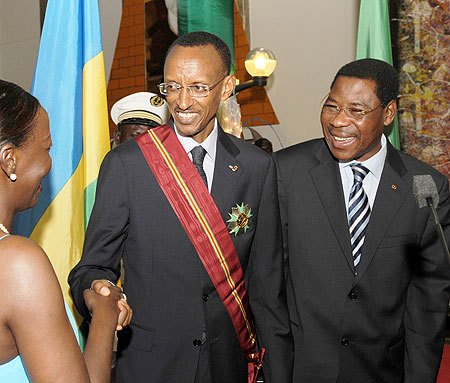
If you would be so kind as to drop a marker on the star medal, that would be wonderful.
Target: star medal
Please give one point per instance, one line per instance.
(239, 219)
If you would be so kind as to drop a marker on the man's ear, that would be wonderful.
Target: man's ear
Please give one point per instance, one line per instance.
(228, 87)
(8, 159)
(389, 112)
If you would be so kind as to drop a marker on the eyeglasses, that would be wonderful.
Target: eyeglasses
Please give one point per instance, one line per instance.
(350, 111)
(196, 90)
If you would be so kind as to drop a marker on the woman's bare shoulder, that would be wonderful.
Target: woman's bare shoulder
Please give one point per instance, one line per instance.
(27, 274)
(35, 314)
(21, 257)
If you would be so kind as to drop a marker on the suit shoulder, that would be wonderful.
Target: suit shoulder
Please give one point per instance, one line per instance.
(418, 167)
(126, 154)
(243, 144)
(248, 150)
(306, 152)
(130, 146)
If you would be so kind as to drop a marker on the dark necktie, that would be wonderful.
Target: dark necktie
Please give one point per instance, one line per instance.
(358, 212)
(198, 155)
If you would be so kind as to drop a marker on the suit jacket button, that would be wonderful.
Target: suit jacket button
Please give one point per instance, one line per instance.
(352, 296)
(205, 297)
(197, 342)
(345, 342)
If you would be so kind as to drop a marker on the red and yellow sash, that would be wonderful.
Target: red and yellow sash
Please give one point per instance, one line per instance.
(206, 229)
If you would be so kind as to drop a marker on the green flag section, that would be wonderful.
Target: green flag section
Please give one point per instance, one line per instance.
(69, 82)
(214, 16)
(374, 41)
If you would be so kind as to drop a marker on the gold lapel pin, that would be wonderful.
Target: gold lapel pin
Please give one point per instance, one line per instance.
(394, 187)
(233, 168)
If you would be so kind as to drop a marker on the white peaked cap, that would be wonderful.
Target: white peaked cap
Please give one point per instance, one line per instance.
(141, 105)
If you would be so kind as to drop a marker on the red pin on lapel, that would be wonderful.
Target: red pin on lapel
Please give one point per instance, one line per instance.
(233, 168)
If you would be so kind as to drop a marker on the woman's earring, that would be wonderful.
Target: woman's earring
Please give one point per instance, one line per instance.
(13, 177)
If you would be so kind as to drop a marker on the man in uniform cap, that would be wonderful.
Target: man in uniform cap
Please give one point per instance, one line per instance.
(136, 113)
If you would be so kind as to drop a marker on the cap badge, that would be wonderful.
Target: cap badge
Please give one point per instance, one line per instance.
(157, 101)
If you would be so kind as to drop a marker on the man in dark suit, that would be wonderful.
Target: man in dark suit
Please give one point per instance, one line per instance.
(181, 331)
(368, 281)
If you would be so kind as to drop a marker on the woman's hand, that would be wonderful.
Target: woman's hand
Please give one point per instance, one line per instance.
(115, 302)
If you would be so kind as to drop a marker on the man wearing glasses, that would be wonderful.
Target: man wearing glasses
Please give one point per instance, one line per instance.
(195, 215)
(368, 282)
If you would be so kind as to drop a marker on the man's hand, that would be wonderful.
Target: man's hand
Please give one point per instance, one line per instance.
(105, 288)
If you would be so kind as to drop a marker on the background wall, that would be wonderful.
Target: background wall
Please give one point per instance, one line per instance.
(19, 40)
(110, 15)
(20, 32)
(311, 40)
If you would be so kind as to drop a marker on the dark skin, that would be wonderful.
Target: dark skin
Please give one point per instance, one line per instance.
(194, 117)
(33, 320)
(356, 139)
(128, 131)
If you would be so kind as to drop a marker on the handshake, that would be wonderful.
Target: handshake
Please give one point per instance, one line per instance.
(116, 303)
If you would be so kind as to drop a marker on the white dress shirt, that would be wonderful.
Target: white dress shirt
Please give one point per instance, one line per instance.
(375, 166)
(210, 145)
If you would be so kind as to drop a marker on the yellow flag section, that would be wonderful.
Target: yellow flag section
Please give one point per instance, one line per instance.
(61, 229)
(95, 126)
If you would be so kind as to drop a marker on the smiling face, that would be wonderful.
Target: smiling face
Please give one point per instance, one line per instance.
(33, 162)
(355, 139)
(194, 117)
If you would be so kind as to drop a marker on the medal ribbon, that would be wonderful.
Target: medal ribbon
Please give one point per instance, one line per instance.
(200, 218)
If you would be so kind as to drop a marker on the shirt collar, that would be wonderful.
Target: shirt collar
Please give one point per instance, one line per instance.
(375, 163)
(210, 144)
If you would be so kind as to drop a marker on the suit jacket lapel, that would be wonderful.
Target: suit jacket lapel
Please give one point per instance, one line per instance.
(225, 180)
(392, 189)
(327, 180)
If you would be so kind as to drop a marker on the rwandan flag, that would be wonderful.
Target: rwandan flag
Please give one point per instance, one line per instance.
(374, 41)
(214, 16)
(69, 82)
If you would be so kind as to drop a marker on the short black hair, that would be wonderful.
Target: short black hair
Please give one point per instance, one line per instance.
(202, 38)
(263, 141)
(264, 144)
(384, 75)
(17, 111)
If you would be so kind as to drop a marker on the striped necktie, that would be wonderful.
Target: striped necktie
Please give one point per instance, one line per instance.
(198, 155)
(358, 212)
